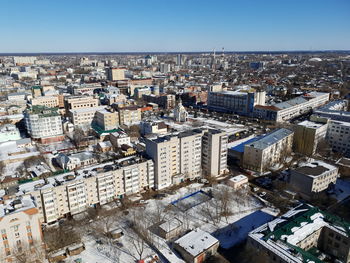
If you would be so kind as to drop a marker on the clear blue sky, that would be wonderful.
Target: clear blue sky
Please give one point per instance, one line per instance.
(173, 25)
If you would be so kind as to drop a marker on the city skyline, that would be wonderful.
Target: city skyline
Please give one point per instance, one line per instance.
(134, 26)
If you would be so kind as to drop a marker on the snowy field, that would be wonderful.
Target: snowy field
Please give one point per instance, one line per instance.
(191, 201)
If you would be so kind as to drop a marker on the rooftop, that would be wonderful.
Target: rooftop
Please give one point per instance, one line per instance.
(238, 178)
(311, 124)
(196, 242)
(43, 111)
(270, 139)
(315, 168)
(283, 234)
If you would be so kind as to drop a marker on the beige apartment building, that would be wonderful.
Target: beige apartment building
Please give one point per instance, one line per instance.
(47, 101)
(129, 115)
(115, 74)
(176, 157)
(107, 119)
(20, 228)
(84, 117)
(80, 102)
(313, 177)
(269, 150)
(307, 135)
(165, 153)
(71, 194)
(214, 152)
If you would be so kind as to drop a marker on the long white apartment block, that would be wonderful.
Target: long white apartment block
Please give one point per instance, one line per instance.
(70, 194)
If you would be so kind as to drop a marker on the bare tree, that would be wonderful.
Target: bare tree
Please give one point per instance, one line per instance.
(21, 171)
(33, 160)
(103, 224)
(56, 238)
(78, 137)
(142, 236)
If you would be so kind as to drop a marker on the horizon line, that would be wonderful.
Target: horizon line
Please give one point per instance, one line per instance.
(174, 52)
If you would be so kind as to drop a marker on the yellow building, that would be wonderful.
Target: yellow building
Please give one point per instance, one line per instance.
(115, 74)
(107, 119)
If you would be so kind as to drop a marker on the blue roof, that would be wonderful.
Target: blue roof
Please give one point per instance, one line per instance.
(240, 147)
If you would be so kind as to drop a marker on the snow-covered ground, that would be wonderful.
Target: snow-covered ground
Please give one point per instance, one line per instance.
(237, 232)
(245, 211)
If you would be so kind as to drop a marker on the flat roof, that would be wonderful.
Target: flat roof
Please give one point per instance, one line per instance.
(238, 178)
(196, 242)
(270, 138)
(315, 168)
(311, 124)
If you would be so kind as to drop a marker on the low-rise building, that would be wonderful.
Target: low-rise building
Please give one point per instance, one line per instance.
(75, 161)
(140, 91)
(334, 110)
(238, 181)
(166, 101)
(170, 228)
(107, 119)
(129, 115)
(293, 237)
(196, 246)
(47, 101)
(9, 132)
(313, 177)
(80, 102)
(155, 127)
(268, 150)
(119, 138)
(287, 110)
(84, 117)
(240, 101)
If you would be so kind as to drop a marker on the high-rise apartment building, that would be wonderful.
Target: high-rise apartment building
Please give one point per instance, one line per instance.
(176, 156)
(165, 153)
(214, 152)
